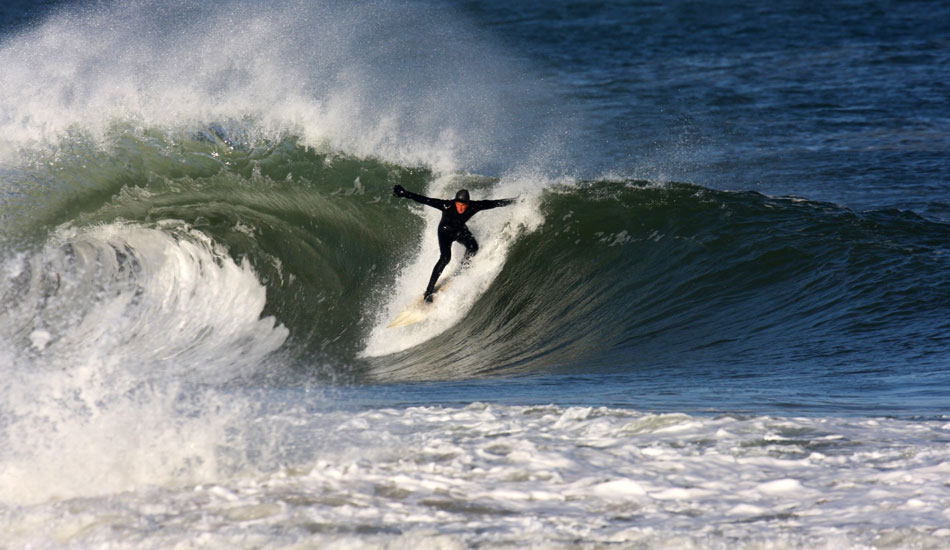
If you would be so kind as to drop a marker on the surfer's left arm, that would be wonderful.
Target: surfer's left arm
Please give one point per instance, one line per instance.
(485, 205)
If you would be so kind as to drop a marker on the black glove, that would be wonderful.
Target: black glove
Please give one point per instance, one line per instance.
(398, 191)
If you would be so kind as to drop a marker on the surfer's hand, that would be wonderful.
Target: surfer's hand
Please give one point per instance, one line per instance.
(399, 191)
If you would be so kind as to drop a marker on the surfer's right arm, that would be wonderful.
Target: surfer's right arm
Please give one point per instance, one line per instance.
(400, 191)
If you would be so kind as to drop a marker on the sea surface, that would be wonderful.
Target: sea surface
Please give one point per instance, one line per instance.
(717, 316)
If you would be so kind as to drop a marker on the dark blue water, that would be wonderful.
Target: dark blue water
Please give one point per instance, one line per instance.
(844, 102)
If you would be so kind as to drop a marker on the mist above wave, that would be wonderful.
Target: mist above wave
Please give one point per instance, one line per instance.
(392, 80)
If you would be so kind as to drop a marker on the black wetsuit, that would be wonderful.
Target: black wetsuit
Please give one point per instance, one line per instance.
(452, 226)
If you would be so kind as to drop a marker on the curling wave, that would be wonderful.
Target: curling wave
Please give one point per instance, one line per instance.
(306, 252)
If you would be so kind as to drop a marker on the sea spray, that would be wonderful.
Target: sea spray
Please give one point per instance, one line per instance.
(349, 78)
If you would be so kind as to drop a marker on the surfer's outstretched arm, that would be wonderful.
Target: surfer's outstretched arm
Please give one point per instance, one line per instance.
(487, 205)
(399, 191)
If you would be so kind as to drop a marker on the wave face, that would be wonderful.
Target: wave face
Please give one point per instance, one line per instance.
(623, 275)
(307, 253)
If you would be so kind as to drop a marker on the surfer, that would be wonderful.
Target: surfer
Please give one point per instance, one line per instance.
(452, 226)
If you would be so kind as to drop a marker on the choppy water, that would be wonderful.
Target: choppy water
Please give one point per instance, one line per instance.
(717, 316)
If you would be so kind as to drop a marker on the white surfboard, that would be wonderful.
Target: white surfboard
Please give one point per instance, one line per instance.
(418, 310)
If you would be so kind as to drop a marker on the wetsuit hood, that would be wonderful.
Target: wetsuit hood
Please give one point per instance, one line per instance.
(462, 195)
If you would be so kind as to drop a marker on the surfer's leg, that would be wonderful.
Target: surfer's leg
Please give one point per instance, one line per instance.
(445, 254)
(468, 240)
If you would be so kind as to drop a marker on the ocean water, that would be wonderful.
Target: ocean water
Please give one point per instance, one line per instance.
(717, 317)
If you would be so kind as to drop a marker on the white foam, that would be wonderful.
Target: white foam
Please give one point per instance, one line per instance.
(780, 486)
(497, 477)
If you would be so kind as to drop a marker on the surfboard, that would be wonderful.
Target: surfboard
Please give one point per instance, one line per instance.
(418, 310)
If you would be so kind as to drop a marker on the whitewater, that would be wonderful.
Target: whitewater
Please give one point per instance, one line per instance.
(200, 253)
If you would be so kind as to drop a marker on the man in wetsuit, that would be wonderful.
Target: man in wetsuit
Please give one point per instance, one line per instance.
(452, 227)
